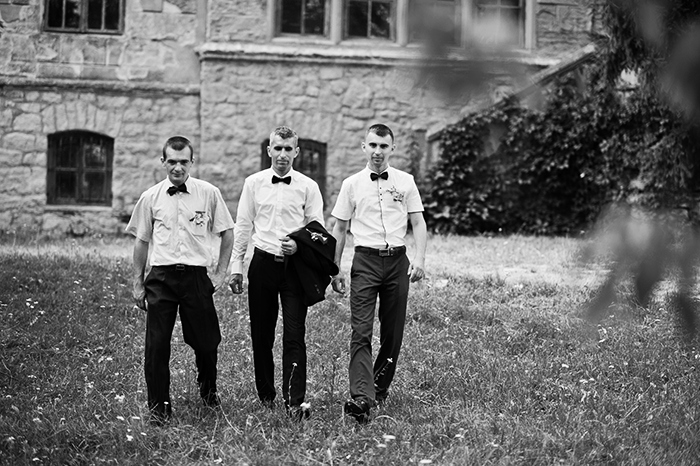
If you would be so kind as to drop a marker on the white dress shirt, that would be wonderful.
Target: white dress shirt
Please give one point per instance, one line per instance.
(379, 209)
(272, 211)
(183, 227)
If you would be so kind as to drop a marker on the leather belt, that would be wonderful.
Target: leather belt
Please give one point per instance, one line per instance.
(179, 267)
(387, 252)
(268, 255)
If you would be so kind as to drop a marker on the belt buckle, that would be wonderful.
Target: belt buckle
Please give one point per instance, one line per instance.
(180, 267)
(279, 258)
(385, 252)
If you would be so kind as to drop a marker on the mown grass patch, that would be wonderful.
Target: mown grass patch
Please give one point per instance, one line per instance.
(491, 372)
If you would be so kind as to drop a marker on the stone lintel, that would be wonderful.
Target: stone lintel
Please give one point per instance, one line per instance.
(357, 54)
(93, 84)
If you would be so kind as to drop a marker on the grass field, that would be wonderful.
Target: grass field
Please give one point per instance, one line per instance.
(497, 367)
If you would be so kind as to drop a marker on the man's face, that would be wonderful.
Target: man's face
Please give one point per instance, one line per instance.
(378, 150)
(282, 152)
(177, 164)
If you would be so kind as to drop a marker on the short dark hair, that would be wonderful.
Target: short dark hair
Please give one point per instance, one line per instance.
(381, 130)
(285, 132)
(178, 143)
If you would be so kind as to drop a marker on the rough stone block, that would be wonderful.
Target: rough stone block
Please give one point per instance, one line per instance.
(331, 73)
(10, 13)
(10, 158)
(48, 119)
(6, 118)
(19, 141)
(27, 122)
(155, 6)
(57, 70)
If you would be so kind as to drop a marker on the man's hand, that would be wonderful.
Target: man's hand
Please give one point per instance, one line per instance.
(139, 295)
(288, 246)
(416, 270)
(218, 280)
(236, 283)
(338, 283)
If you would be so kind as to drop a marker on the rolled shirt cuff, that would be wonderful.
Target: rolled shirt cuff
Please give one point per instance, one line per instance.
(235, 267)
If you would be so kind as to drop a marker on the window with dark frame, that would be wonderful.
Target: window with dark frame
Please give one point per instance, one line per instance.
(79, 168)
(305, 17)
(372, 19)
(85, 16)
(505, 19)
(311, 161)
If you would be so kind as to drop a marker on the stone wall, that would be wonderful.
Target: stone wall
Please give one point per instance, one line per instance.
(242, 101)
(565, 25)
(139, 120)
(156, 46)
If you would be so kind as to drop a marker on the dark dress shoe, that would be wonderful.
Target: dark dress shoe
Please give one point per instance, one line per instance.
(298, 413)
(358, 409)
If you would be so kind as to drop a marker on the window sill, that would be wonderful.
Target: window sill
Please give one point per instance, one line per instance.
(77, 208)
(357, 52)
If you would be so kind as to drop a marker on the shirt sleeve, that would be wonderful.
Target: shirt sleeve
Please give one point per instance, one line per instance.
(222, 220)
(413, 200)
(243, 227)
(343, 208)
(141, 222)
(313, 209)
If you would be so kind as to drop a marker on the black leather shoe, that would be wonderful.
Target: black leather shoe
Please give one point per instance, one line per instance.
(358, 409)
(298, 413)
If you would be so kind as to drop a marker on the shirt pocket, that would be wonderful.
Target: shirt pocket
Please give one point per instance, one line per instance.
(198, 221)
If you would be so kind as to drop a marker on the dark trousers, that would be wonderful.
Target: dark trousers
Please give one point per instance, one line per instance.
(269, 279)
(386, 278)
(191, 291)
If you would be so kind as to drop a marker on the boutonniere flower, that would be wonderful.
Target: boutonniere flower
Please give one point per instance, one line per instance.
(396, 194)
(200, 218)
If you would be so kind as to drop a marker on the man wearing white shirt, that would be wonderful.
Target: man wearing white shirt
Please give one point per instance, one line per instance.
(274, 203)
(380, 200)
(183, 218)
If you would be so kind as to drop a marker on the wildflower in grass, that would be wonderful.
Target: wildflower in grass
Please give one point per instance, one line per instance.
(129, 438)
(387, 437)
(119, 398)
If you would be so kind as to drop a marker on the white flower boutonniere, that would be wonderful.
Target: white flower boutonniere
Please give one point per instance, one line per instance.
(200, 218)
(396, 194)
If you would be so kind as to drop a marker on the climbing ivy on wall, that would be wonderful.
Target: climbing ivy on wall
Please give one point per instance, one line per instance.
(511, 169)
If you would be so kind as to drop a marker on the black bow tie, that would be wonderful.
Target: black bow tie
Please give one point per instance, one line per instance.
(383, 175)
(276, 179)
(173, 189)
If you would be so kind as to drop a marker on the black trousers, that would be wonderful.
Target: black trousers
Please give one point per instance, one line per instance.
(373, 277)
(267, 280)
(191, 291)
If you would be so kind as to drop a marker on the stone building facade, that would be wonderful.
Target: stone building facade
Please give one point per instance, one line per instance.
(85, 106)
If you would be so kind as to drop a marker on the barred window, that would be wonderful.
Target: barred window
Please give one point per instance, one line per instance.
(79, 168)
(86, 16)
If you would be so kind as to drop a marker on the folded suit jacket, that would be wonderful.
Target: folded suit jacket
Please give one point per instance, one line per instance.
(314, 260)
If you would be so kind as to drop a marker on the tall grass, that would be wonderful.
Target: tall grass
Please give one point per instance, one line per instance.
(497, 368)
